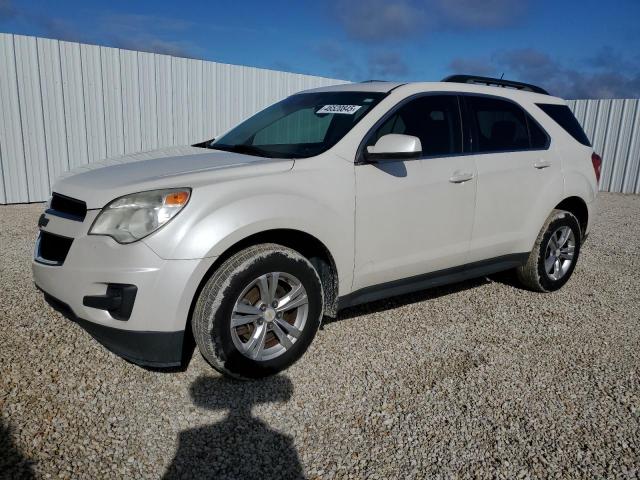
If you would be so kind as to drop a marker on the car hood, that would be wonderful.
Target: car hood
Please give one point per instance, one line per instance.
(98, 183)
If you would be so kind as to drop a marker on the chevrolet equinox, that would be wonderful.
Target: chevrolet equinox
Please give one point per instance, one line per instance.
(330, 198)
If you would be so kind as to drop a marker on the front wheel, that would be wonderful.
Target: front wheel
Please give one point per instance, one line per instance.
(554, 254)
(258, 312)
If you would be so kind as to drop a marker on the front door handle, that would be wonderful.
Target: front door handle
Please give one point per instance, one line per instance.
(461, 177)
(540, 164)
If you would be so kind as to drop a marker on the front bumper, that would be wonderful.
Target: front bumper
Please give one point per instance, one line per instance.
(151, 349)
(153, 332)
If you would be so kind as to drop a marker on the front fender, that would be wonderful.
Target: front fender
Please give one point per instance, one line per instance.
(205, 233)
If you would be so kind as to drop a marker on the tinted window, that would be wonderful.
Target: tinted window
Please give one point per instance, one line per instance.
(499, 125)
(565, 118)
(539, 138)
(435, 120)
(302, 125)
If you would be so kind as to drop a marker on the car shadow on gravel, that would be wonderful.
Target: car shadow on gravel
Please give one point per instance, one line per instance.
(401, 300)
(240, 446)
(13, 464)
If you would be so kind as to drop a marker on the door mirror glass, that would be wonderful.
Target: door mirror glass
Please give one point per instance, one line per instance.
(395, 145)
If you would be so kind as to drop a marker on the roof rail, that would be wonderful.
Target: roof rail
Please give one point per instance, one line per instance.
(373, 81)
(495, 82)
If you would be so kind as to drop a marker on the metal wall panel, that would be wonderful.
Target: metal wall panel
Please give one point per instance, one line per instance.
(3, 198)
(164, 100)
(148, 107)
(53, 108)
(64, 104)
(631, 180)
(112, 99)
(179, 72)
(210, 104)
(14, 171)
(223, 97)
(73, 108)
(31, 114)
(613, 126)
(90, 59)
(195, 101)
(131, 97)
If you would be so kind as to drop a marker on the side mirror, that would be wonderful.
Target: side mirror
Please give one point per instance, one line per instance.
(394, 146)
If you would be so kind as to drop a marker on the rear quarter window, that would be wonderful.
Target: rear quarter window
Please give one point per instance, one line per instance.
(564, 117)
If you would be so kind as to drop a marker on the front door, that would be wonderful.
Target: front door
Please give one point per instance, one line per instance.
(415, 216)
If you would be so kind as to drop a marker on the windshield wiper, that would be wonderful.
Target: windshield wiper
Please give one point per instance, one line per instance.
(242, 148)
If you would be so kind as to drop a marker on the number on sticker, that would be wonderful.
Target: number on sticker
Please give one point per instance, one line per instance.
(344, 109)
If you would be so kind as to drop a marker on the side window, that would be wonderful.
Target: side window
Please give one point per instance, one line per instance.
(539, 140)
(565, 118)
(500, 125)
(434, 119)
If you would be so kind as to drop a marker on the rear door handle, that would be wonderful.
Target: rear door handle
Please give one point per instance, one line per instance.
(540, 164)
(461, 177)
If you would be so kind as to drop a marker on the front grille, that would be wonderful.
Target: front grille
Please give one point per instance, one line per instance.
(67, 207)
(52, 249)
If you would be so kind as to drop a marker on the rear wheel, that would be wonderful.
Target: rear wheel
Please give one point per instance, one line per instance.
(258, 312)
(554, 255)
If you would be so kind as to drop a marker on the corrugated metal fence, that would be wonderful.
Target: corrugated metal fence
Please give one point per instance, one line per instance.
(65, 104)
(614, 129)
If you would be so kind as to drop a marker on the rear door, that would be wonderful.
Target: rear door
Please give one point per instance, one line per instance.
(415, 216)
(516, 173)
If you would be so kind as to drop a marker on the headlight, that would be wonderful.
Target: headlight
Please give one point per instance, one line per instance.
(132, 217)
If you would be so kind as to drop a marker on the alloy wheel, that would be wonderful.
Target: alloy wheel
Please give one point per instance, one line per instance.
(269, 316)
(559, 253)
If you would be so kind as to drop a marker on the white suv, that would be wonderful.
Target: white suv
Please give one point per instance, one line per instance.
(327, 199)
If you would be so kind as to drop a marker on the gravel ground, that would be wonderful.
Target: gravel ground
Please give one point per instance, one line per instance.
(476, 380)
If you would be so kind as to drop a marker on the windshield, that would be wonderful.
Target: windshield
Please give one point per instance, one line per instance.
(302, 125)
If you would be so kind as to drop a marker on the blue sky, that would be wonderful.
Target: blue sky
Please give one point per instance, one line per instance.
(576, 49)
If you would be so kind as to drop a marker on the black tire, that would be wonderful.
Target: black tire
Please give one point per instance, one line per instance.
(211, 321)
(533, 274)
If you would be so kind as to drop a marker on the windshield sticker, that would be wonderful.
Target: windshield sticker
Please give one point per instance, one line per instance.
(343, 109)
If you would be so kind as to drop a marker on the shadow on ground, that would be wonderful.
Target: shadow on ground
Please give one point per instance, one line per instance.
(13, 463)
(241, 446)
